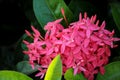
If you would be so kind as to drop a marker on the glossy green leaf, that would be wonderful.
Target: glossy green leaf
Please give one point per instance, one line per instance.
(112, 72)
(115, 7)
(50, 10)
(26, 68)
(81, 6)
(28, 9)
(70, 76)
(13, 75)
(54, 71)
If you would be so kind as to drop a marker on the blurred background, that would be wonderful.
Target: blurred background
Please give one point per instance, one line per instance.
(13, 22)
(17, 15)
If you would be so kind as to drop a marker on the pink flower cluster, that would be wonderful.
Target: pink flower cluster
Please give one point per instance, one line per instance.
(83, 46)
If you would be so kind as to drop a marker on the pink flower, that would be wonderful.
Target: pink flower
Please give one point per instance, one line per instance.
(83, 46)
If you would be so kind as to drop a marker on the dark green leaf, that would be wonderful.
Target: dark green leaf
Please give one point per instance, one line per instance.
(117, 58)
(115, 7)
(20, 47)
(13, 75)
(81, 6)
(25, 37)
(54, 71)
(70, 76)
(112, 72)
(28, 9)
(7, 57)
(26, 68)
(50, 10)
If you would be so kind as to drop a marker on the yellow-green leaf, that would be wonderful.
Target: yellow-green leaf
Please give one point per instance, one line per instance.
(70, 76)
(13, 75)
(54, 71)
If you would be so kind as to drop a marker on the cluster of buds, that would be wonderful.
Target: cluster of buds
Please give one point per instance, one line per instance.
(84, 46)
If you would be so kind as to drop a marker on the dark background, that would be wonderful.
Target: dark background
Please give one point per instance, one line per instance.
(13, 22)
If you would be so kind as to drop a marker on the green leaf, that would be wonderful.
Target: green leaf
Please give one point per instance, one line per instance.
(28, 9)
(115, 8)
(54, 71)
(112, 72)
(81, 6)
(7, 57)
(26, 68)
(20, 47)
(50, 10)
(13, 75)
(70, 76)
